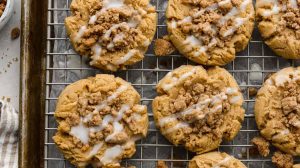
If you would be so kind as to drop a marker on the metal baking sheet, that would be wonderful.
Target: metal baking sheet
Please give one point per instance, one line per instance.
(64, 66)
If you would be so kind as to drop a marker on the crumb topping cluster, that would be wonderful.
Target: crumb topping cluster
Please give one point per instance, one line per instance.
(213, 23)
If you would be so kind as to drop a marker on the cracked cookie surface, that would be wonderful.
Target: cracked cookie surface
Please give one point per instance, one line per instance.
(215, 160)
(277, 110)
(198, 108)
(279, 25)
(210, 32)
(112, 33)
(99, 120)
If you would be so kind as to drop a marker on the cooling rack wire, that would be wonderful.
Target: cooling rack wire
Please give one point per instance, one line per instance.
(249, 69)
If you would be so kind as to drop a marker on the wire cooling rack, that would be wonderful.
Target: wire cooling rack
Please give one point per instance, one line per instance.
(64, 67)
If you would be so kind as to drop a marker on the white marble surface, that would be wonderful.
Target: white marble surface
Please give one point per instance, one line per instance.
(10, 59)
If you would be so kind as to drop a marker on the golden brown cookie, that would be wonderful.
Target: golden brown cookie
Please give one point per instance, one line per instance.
(277, 110)
(215, 160)
(198, 108)
(296, 166)
(113, 33)
(99, 120)
(210, 32)
(279, 25)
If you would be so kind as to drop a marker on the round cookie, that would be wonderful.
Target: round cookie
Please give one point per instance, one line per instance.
(99, 120)
(198, 108)
(210, 32)
(279, 25)
(215, 160)
(277, 110)
(113, 33)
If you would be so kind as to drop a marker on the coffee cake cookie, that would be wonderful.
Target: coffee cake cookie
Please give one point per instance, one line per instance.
(99, 120)
(215, 160)
(198, 108)
(277, 110)
(210, 32)
(279, 24)
(113, 33)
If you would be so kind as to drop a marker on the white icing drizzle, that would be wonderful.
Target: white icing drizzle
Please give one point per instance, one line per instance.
(221, 3)
(107, 4)
(280, 79)
(113, 27)
(231, 91)
(95, 150)
(97, 50)
(176, 80)
(126, 57)
(133, 22)
(93, 19)
(235, 99)
(173, 24)
(106, 120)
(228, 16)
(80, 33)
(116, 125)
(103, 104)
(281, 133)
(192, 40)
(81, 132)
(209, 8)
(117, 129)
(275, 10)
(216, 101)
(176, 127)
(187, 19)
(222, 162)
(146, 43)
(219, 107)
(293, 3)
(111, 154)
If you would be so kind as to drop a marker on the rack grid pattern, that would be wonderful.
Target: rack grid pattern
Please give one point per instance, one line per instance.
(255, 62)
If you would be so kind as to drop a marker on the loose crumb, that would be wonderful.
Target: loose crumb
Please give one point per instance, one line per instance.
(2, 6)
(262, 146)
(282, 160)
(252, 91)
(163, 47)
(161, 164)
(15, 33)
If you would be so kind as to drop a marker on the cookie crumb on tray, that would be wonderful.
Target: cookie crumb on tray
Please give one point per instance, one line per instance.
(262, 146)
(296, 166)
(15, 33)
(252, 91)
(161, 164)
(2, 6)
(163, 47)
(282, 160)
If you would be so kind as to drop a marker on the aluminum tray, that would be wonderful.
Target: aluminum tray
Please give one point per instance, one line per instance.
(63, 66)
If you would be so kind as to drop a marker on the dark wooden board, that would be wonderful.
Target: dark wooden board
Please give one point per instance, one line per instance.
(32, 92)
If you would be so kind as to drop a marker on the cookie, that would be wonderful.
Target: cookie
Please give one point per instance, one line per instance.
(215, 160)
(99, 120)
(277, 110)
(112, 33)
(198, 108)
(210, 32)
(279, 25)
